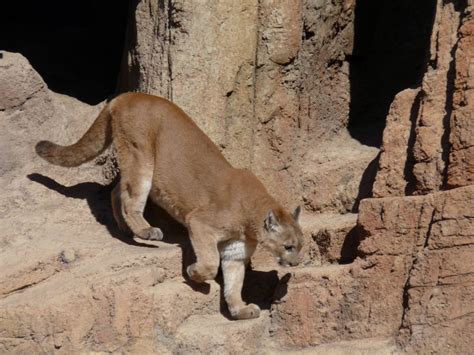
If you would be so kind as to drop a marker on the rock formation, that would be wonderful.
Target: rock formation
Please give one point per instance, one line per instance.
(298, 93)
(252, 65)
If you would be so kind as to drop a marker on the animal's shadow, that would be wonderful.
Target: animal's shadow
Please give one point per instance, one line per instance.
(260, 287)
(98, 199)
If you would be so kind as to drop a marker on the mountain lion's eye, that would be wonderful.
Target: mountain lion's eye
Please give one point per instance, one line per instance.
(289, 247)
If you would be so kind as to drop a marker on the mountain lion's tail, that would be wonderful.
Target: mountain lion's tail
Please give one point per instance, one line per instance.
(92, 143)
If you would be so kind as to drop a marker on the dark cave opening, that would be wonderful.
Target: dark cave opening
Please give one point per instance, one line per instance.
(390, 53)
(76, 46)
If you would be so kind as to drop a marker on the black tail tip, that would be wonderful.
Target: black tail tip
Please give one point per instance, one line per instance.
(43, 148)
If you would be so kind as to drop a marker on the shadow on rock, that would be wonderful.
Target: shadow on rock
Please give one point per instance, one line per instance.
(262, 288)
(350, 246)
(98, 199)
(408, 25)
(175, 233)
(367, 182)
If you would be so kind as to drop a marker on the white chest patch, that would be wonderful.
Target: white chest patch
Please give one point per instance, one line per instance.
(236, 250)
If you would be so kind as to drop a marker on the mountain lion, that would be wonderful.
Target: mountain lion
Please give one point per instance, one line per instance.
(163, 155)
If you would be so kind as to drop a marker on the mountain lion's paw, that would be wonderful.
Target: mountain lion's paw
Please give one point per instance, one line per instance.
(151, 233)
(193, 274)
(248, 312)
(202, 272)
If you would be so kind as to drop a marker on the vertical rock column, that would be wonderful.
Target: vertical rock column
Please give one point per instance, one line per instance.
(266, 80)
(276, 102)
(394, 174)
(461, 156)
(427, 144)
(431, 145)
(201, 55)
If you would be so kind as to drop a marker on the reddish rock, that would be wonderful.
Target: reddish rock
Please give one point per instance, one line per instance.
(282, 27)
(430, 149)
(461, 156)
(439, 294)
(272, 85)
(414, 273)
(253, 65)
(333, 238)
(300, 319)
(392, 179)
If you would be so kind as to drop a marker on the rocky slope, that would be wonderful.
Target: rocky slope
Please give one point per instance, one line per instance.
(295, 93)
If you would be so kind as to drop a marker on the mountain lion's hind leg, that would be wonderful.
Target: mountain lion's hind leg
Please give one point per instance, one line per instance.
(204, 241)
(117, 209)
(135, 186)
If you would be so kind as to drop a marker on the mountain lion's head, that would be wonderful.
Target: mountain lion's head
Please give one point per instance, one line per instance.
(282, 235)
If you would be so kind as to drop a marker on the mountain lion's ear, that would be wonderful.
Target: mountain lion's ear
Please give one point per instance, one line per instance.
(271, 222)
(297, 213)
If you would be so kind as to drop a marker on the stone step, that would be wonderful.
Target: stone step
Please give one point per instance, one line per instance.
(310, 307)
(331, 236)
(129, 309)
(36, 278)
(369, 346)
(215, 334)
(337, 174)
(131, 294)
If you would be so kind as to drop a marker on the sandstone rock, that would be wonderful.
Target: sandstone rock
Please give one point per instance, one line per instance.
(426, 244)
(439, 291)
(276, 83)
(293, 109)
(20, 82)
(333, 238)
(247, 61)
(21, 87)
(126, 309)
(430, 148)
(195, 53)
(338, 174)
(394, 164)
(217, 335)
(414, 155)
(282, 26)
(31, 112)
(336, 303)
(461, 156)
(379, 346)
(413, 247)
(299, 319)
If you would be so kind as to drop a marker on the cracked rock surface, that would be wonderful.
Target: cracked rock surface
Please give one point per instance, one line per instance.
(388, 260)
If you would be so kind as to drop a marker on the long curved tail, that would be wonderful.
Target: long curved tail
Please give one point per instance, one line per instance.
(92, 143)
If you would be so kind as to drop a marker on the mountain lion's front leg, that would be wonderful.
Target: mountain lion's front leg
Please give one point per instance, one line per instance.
(234, 272)
(204, 240)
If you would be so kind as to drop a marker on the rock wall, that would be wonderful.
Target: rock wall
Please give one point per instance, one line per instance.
(415, 252)
(419, 254)
(267, 81)
(427, 138)
(280, 89)
(431, 145)
(426, 152)
(461, 154)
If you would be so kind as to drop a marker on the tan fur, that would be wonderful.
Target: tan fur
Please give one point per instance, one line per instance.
(164, 155)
